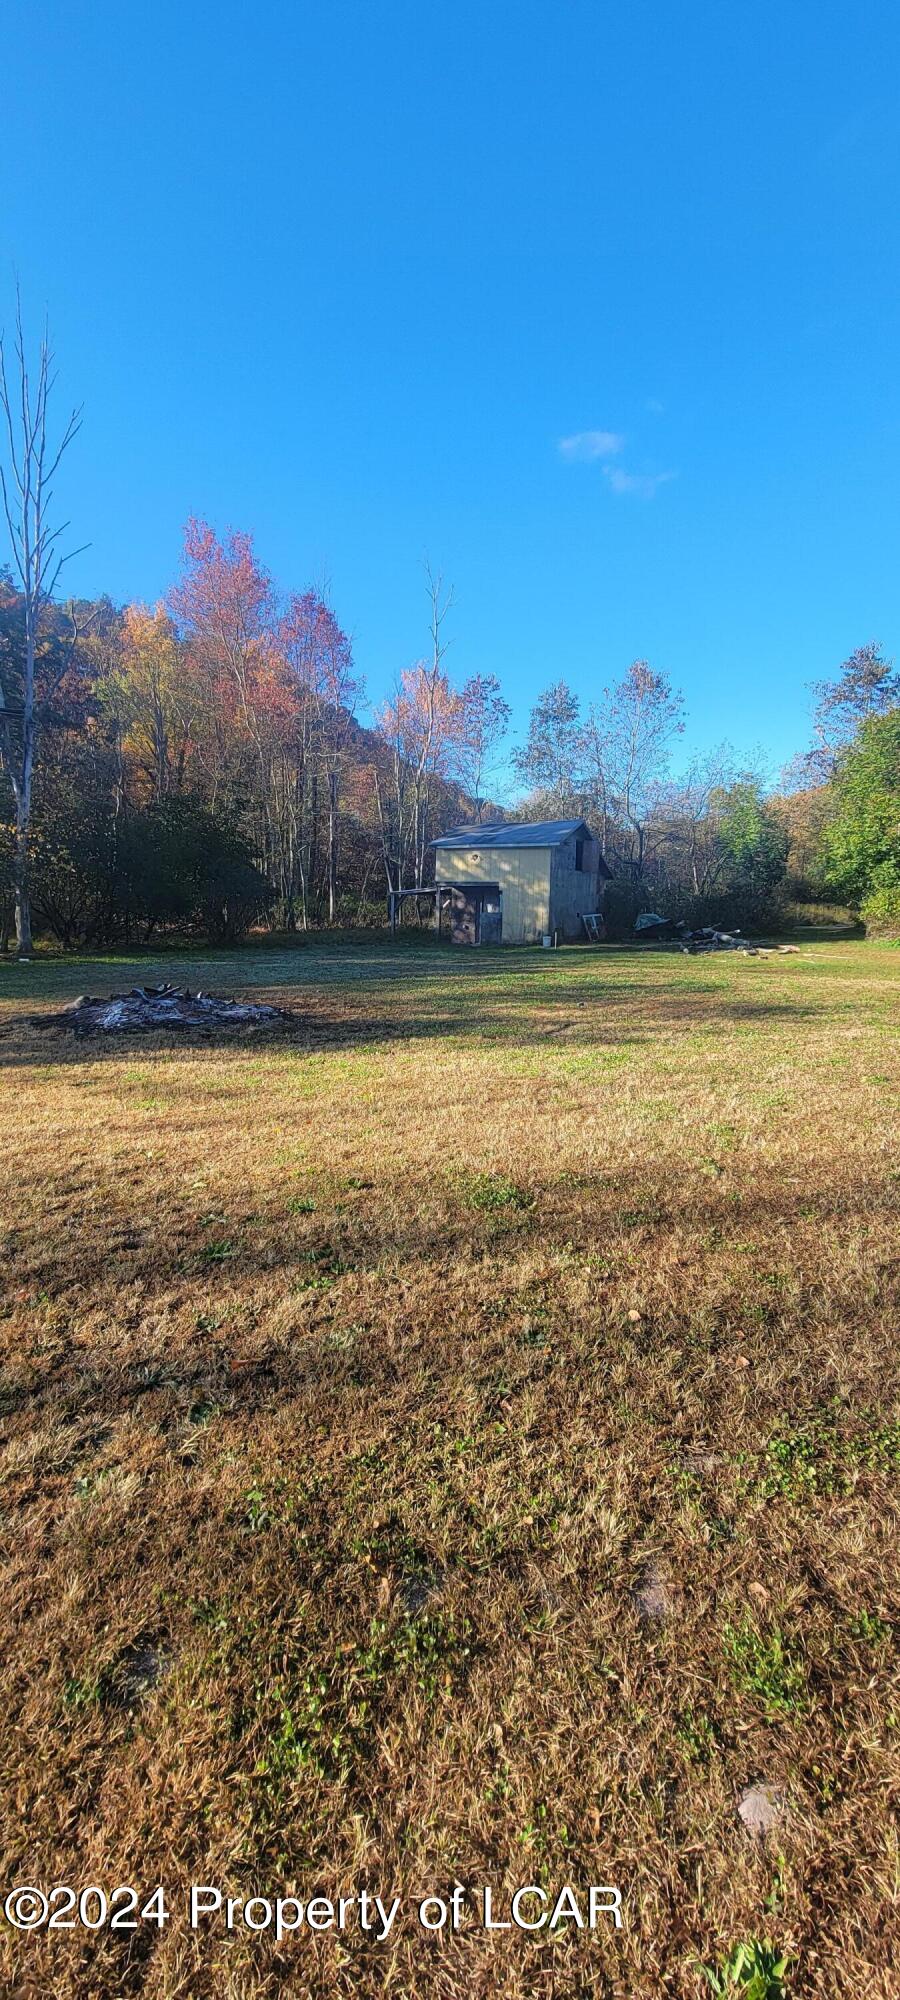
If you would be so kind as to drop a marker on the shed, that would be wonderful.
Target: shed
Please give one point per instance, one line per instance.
(509, 884)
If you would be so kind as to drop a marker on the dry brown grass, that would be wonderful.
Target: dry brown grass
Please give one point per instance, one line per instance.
(350, 1381)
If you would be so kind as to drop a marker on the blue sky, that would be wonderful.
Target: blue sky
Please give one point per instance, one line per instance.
(347, 277)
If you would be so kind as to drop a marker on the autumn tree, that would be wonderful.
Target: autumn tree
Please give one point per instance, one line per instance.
(419, 726)
(324, 690)
(205, 766)
(151, 694)
(223, 607)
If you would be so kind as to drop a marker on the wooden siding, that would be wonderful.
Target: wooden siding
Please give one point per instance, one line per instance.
(524, 877)
(573, 890)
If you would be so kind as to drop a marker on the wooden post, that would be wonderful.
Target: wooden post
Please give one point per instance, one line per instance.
(392, 911)
(437, 909)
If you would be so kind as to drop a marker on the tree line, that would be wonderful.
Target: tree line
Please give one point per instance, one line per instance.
(200, 766)
(719, 843)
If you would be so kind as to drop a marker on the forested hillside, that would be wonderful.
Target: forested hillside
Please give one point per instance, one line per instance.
(201, 765)
(200, 768)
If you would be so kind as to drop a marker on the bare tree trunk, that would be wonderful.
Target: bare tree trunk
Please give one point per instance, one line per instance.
(313, 860)
(32, 464)
(22, 782)
(431, 679)
(160, 751)
(23, 824)
(332, 845)
(362, 893)
(382, 826)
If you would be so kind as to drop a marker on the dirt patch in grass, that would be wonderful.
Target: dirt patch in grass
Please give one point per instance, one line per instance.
(352, 1392)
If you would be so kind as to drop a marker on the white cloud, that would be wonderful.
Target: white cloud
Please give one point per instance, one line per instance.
(644, 484)
(591, 444)
(604, 446)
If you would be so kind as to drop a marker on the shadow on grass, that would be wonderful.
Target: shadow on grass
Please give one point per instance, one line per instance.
(229, 1286)
(634, 1013)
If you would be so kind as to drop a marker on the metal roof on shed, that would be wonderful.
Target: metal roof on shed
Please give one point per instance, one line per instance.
(500, 833)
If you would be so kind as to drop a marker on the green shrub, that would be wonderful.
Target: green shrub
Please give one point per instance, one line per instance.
(881, 910)
(862, 837)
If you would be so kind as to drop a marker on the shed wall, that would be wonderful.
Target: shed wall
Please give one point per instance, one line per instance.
(524, 877)
(572, 890)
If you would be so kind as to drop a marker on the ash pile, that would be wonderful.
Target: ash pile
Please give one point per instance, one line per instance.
(150, 1007)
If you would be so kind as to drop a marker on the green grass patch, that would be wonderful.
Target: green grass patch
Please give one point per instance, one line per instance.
(765, 1667)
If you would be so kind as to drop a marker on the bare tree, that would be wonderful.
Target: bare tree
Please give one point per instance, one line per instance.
(643, 712)
(686, 824)
(433, 710)
(485, 719)
(27, 491)
(340, 690)
(421, 729)
(549, 761)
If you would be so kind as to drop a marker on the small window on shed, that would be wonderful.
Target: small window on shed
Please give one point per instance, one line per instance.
(579, 855)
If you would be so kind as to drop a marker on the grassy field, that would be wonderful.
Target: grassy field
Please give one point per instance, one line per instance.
(457, 1440)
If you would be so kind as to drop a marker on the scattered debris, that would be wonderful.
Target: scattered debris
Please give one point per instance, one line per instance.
(709, 939)
(650, 924)
(150, 1007)
(651, 1596)
(760, 1807)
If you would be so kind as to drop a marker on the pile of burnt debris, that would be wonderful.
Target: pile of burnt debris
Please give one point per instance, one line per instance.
(653, 927)
(712, 940)
(152, 1007)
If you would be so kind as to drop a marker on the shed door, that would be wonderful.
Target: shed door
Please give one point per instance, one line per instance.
(475, 915)
(491, 917)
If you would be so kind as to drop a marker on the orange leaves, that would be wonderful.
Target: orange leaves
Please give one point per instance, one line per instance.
(425, 718)
(275, 673)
